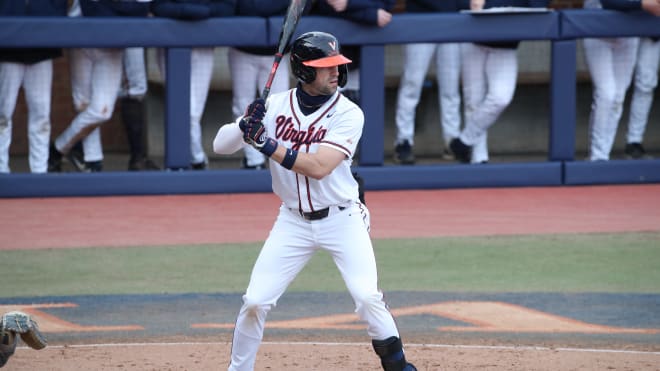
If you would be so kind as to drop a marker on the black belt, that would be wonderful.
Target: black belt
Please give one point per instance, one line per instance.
(318, 214)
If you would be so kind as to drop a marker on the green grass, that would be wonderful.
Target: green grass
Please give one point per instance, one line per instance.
(549, 263)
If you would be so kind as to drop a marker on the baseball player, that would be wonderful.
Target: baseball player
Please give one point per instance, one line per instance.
(416, 60)
(31, 69)
(201, 63)
(489, 72)
(611, 62)
(310, 134)
(95, 81)
(645, 82)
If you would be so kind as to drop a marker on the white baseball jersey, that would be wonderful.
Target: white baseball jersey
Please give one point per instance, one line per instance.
(337, 124)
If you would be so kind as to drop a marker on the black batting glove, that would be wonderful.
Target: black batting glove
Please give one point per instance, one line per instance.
(256, 110)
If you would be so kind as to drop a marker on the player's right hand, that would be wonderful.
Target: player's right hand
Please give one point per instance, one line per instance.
(254, 132)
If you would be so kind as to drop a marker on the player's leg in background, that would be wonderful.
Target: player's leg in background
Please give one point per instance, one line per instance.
(599, 57)
(501, 75)
(201, 71)
(244, 68)
(132, 108)
(37, 86)
(105, 78)
(416, 61)
(473, 75)
(646, 80)
(11, 78)
(286, 251)
(80, 71)
(448, 73)
(625, 57)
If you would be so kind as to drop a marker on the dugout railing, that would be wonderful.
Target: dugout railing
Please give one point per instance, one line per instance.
(562, 28)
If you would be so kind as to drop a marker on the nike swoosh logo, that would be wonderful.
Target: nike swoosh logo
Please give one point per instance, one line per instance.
(329, 115)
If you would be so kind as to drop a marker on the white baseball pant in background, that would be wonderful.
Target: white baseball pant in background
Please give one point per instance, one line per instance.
(95, 80)
(489, 81)
(416, 61)
(611, 62)
(36, 80)
(135, 74)
(645, 82)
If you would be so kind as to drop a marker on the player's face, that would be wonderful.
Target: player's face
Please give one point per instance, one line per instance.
(326, 82)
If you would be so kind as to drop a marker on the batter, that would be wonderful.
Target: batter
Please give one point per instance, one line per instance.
(310, 134)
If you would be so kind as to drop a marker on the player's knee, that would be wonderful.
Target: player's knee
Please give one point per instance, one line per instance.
(367, 302)
(256, 307)
(646, 84)
(499, 101)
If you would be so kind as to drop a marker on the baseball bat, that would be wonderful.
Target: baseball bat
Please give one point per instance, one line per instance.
(291, 19)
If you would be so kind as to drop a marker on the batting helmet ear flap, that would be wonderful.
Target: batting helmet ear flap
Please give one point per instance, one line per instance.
(303, 73)
(343, 75)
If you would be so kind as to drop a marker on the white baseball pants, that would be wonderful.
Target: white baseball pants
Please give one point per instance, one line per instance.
(291, 244)
(36, 80)
(134, 81)
(95, 80)
(645, 82)
(489, 82)
(249, 73)
(611, 62)
(416, 61)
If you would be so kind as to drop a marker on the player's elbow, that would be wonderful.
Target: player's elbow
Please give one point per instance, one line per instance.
(218, 146)
(228, 140)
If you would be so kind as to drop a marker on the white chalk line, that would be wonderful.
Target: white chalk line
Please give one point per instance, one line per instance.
(412, 345)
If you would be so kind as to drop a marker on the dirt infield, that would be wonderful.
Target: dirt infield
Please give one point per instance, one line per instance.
(326, 356)
(165, 220)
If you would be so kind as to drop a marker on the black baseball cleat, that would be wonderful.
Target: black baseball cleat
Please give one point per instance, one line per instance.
(199, 165)
(93, 167)
(76, 157)
(462, 152)
(54, 159)
(635, 151)
(404, 153)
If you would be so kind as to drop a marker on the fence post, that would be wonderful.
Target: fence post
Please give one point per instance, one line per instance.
(562, 101)
(177, 108)
(372, 101)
